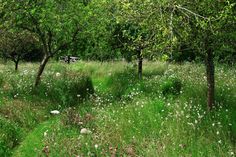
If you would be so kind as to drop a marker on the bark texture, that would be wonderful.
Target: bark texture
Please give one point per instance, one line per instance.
(16, 65)
(41, 69)
(210, 70)
(140, 65)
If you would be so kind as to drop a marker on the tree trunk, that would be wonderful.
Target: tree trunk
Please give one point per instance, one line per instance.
(16, 65)
(68, 59)
(140, 65)
(41, 69)
(210, 69)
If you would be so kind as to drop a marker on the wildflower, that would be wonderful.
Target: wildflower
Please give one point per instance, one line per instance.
(55, 112)
(191, 124)
(217, 132)
(58, 74)
(96, 146)
(45, 133)
(85, 131)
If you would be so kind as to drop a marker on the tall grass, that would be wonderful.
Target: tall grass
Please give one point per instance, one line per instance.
(165, 114)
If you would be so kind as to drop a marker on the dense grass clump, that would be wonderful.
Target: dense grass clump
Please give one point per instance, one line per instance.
(66, 90)
(10, 135)
(171, 86)
(121, 82)
(62, 88)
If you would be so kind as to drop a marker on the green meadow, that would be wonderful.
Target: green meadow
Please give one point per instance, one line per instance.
(105, 110)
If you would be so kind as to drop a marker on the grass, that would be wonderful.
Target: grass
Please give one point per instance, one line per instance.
(165, 114)
(33, 143)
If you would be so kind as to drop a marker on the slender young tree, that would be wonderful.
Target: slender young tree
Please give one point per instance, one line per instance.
(131, 35)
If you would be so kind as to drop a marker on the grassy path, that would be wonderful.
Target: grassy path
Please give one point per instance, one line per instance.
(33, 143)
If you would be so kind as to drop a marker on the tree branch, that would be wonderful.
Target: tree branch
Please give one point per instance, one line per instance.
(65, 45)
(40, 33)
(191, 12)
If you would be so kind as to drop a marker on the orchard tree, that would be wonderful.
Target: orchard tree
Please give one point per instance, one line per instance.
(169, 24)
(15, 45)
(151, 29)
(130, 35)
(55, 23)
(209, 23)
(97, 30)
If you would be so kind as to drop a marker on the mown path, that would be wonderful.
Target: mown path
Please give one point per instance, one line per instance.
(33, 143)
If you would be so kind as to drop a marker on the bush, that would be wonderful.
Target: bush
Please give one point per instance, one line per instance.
(171, 86)
(10, 137)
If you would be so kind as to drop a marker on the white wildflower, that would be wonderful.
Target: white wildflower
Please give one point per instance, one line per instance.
(55, 112)
(45, 133)
(58, 74)
(85, 131)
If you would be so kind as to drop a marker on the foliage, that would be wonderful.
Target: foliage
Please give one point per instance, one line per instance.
(165, 27)
(163, 113)
(16, 45)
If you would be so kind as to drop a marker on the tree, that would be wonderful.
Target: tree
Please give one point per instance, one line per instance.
(206, 33)
(151, 32)
(97, 28)
(130, 33)
(15, 45)
(54, 22)
(170, 24)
